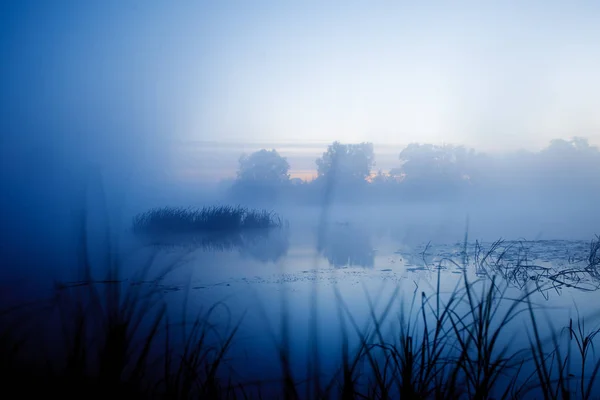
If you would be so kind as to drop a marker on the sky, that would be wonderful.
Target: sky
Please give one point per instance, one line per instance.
(118, 82)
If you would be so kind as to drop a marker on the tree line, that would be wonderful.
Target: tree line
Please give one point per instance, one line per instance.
(424, 170)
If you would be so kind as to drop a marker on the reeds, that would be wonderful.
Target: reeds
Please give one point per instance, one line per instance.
(118, 338)
(218, 219)
(111, 335)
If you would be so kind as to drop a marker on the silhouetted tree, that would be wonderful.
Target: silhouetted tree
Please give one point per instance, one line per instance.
(263, 166)
(567, 163)
(431, 162)
(346, 162)
(261, 177)
(428, 168)
(565, 168)
(570, 150)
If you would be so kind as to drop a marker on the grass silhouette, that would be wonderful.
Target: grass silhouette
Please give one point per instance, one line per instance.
(110, 336)
(205, 220)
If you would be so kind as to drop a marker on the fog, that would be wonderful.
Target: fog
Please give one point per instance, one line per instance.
(116, 92)
(285, 161)
(49, 184)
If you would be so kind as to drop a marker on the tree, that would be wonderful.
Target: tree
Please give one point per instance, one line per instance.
(433, 164)
(436, 171)
(263, 167)
(575, 148)
(568, 162)
(346, 162)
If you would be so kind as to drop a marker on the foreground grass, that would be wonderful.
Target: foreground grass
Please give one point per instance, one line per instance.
(111, 337)
(221, 219)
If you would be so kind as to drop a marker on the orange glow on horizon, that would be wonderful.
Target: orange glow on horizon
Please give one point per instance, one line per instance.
(198, 175)
(304, 174)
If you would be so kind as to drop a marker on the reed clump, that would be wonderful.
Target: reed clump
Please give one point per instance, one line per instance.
(217, 219)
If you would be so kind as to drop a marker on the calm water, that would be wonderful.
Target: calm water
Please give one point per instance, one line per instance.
(293, 275)
(308, 274)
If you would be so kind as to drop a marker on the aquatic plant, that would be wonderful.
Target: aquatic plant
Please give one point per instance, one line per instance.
(218, 219)
(111, 336)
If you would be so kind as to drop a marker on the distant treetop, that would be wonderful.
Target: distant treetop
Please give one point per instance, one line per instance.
(263, 166)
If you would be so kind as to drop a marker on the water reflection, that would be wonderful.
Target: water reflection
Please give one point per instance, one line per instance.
(270, 247)
(264, 245)
(545, 264)
(346, 245)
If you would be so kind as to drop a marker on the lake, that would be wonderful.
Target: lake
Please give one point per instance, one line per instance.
(292, 281)
(322, 280)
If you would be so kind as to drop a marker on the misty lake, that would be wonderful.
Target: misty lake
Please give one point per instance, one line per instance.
(297, 276)
(323, 275)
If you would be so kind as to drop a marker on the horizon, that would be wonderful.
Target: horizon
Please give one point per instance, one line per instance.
(301, 157)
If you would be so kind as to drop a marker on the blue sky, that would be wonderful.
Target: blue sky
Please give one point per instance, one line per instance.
(122, 75)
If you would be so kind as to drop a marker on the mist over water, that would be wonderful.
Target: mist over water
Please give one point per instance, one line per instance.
(386, 174)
